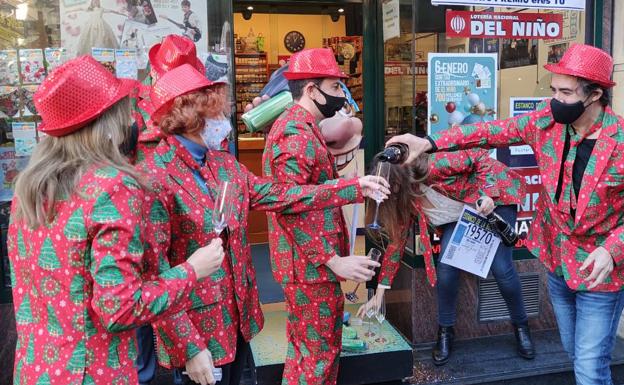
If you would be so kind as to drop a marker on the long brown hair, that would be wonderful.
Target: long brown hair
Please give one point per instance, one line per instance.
(58, 163)
(395, 212)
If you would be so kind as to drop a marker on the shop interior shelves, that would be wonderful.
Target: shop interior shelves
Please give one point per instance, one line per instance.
(252, 74)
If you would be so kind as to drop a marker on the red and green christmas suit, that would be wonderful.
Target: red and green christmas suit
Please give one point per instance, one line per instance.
(300, 245)
(217, 318)
(77, 285)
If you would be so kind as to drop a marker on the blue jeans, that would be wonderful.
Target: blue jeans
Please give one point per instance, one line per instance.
(502, 268)
(146, 360)
(588, 324)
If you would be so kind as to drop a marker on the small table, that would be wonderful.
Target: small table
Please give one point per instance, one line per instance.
(386, 363)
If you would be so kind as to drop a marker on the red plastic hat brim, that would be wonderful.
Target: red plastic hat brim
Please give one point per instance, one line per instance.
(126, 86)
(310, 75)
(156, 65)
(557, 69)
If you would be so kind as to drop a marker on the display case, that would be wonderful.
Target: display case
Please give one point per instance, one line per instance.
(252, 74)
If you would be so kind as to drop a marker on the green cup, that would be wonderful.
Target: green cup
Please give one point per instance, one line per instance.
(267, 112)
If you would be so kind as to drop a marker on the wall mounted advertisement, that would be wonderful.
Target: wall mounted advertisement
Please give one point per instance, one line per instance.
(462, 89)
(518, 25)
(130, 24)
(578, 5)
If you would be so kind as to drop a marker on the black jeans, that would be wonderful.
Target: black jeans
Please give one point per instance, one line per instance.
(232, 372)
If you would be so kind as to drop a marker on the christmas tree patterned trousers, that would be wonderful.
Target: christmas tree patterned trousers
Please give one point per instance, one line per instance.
(314, 333)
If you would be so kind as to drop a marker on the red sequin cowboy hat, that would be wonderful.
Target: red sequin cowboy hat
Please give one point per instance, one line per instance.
(174, 83)
(313, 63)
(77, 93)
(587, 62)
(174, 51)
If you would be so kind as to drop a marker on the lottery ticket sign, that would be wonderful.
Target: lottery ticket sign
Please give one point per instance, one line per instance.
(578, 5)
(473, 244)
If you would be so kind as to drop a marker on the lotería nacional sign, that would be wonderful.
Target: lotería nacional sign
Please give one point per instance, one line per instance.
(503, 25)
(578, 5)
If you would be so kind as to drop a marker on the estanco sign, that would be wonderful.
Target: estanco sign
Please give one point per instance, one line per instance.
(503, 25)
(578, 5)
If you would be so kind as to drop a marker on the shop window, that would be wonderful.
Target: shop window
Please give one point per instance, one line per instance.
(38, 35)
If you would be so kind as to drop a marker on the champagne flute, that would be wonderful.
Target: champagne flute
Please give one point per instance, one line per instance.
(370, 313)
(382, 170)
(222, 208)
(381, 317)
(374, 254)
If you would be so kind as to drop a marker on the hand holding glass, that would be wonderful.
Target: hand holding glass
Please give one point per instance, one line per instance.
(374, 254)
(382, 170)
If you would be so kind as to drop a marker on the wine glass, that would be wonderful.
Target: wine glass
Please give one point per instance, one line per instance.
(222, 208)
(382, 170)
(380, 315)
(373, 254)
(369, 313)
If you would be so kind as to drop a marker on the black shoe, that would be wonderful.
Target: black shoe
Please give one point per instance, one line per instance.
(523, 342)
(442, 351)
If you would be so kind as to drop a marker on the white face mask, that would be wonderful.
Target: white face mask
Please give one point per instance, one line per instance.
(215, 132)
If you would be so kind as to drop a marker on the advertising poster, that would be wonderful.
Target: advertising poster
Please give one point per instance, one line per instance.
(522, 161)
(32, 66)
(126, 63)
(55, 57)
(136, 24)
(25, 138)
(504, 25)
(9, 73)
(10, 166)
(578, 5)
(570, 27)
(391, 24)
(462, 89)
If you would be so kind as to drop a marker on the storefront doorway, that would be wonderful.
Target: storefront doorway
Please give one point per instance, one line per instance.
(266, 34)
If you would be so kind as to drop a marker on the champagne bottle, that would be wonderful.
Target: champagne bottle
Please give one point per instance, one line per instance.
(395, 153)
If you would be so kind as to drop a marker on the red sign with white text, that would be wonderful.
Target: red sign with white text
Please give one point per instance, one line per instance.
(504, 25)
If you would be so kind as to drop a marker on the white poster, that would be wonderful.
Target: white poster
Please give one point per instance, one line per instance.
(136, 24)
(390, 10)
(578, 5)
(473, 244)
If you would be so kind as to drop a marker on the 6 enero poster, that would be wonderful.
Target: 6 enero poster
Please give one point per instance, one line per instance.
(462, 89)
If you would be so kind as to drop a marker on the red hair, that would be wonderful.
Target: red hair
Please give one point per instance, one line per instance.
(188, 111)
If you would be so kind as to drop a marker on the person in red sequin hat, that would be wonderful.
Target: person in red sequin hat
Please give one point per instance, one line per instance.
(172, 52)
(310, 252)
(578, 231)
(83, 225)
(191, 170)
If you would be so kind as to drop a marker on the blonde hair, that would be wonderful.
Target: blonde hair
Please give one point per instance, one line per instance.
(58, 163)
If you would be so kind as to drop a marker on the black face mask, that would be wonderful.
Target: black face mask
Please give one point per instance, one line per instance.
(567, 113)
(129, 145)
(332, 104)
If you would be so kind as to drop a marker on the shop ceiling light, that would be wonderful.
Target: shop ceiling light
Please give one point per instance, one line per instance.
(250, 8)
(341, 10)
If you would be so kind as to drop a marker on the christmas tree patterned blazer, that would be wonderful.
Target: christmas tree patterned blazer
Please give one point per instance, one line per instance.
(564, 232)
(216, 318)
(77, 285)
(301, 244)
(464, 176)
